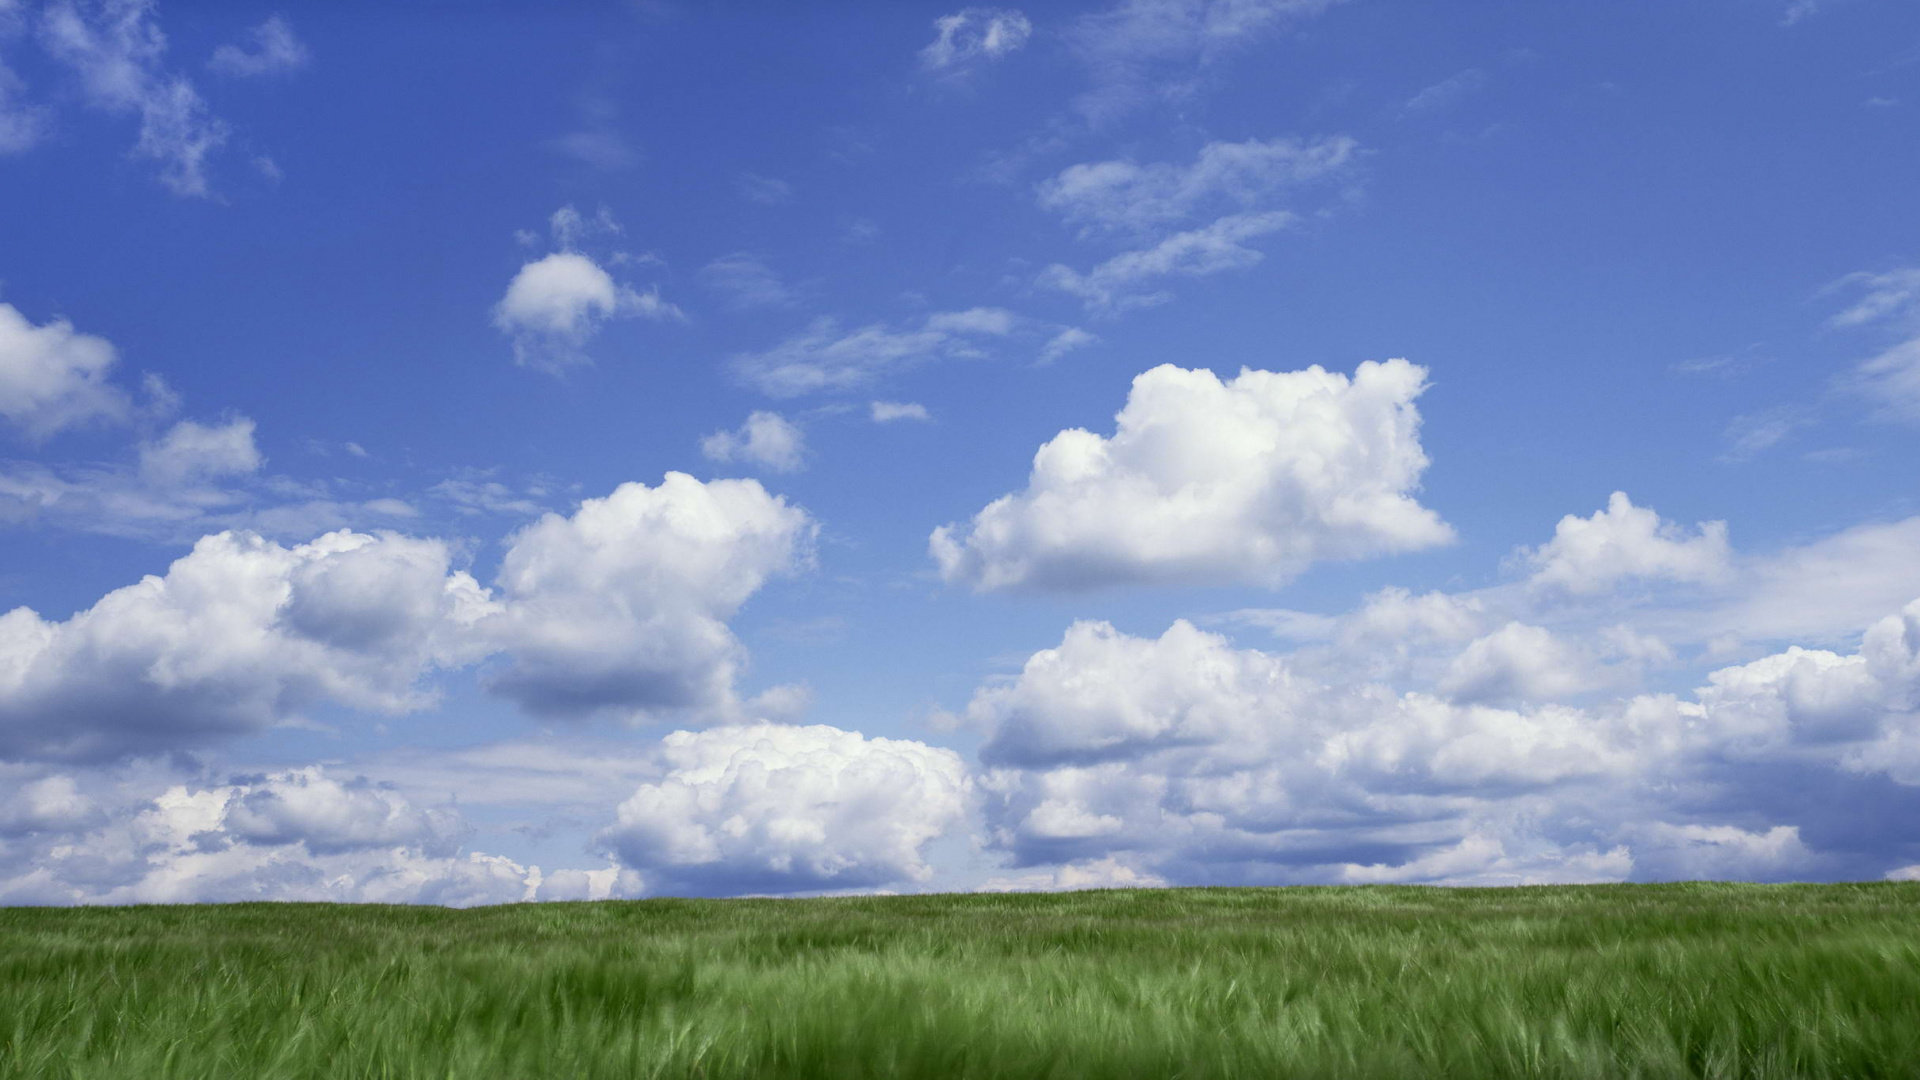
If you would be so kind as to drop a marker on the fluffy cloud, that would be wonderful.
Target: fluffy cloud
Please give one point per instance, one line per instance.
(622, 607)
(53, 377)
(299, 834)
(1249, 480)
(555, 304)
(767, 439)
(1626, 542)
(275, 51)
(240, 633)
(974, 35)
(115, 48)
(191, 451)
(825, 357)
(769, 808)
(1191, 759)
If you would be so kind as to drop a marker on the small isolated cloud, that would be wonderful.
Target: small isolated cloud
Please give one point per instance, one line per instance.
(274, 50)
(1246, 481)
(1064, 342)
(1122, 281)
(769, 808)
(767, 440)
(973, 36)
(1447, 93)
(825, 357)
(53, 377)
(746, 281)
(556, 304)
(115, 48)
(886, 412)
(1796, 10)
(1755, 432)
(765, 190)
(191, 452)
(1625, 542)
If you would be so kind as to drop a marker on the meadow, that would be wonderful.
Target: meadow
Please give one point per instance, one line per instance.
(1682, 980)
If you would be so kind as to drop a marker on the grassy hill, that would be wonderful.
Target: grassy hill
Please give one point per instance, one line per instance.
(1708, 980)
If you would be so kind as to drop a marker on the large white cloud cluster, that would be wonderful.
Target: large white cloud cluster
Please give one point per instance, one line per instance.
(770, 808)
(1187, 758)
(1249, 480)
(619, 608)
(300, 834)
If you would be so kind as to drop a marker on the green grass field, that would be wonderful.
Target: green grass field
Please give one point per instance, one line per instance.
(1606, 981)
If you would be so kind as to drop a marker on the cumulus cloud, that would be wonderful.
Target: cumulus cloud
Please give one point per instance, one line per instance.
(298, 834)
(239, 634)
(767, 440)
(555, 304)
(116, 49)
(52, 377)
(190, 452)
(275, 51)
(1190, 759)
(825, 357)
(972, 36)
(1627, 542)
(771, 808)
(1249, 481)
(622, 607)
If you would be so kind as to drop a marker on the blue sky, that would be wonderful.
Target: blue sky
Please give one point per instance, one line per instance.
(552, 451)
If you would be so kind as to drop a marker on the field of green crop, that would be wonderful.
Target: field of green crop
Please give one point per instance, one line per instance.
(1608, 981)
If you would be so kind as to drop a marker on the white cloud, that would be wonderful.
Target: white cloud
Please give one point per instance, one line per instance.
(1626, 542)
(191, 452)
(826, 358)
(298, 834)
(1448, 92)
(115, 48)
(1141, 49)
(240, 634)
(53, 378)
(747, 281)
(766, 190)
(766, 439)
(1518, 663)
(555, 304)
(275, 51)
(1251, 480)
(1066, 341)
(886, 412)
(622, 607)
(1119, 282)
(974, 35)
(1125, 196)
(770, 808)
(1190, 759)
(1891, 378)
(22, 125)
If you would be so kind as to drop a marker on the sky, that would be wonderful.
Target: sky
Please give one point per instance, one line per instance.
(485, 452)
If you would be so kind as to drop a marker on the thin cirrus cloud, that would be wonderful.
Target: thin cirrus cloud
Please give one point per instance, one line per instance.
(825, 357)
(1249, 480)
(271, 49)
(974, 36)
(1154, 209)
(116, 49)
(1891, 379)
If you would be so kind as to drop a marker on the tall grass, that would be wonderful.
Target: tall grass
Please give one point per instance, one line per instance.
(1693, 980)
